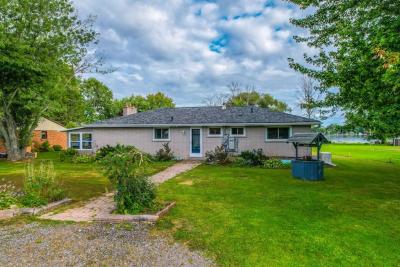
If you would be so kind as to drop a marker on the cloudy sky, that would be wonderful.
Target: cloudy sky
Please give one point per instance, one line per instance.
(191, 49)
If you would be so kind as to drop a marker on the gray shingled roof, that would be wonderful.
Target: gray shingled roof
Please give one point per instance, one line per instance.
(203, 116)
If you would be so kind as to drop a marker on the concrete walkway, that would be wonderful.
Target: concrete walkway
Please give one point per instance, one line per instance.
(105, 204)
(174, 170)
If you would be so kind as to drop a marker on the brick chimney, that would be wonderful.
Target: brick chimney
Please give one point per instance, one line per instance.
(128, 110)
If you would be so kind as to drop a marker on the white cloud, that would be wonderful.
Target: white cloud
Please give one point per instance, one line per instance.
(165, 45)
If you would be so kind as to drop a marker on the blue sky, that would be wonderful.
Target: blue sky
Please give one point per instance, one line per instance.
(193, 49)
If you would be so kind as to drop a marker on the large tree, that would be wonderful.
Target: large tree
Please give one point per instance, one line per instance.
(249, 96)
(98, 99)
(144, 103)
(358, 60)
(39, 40)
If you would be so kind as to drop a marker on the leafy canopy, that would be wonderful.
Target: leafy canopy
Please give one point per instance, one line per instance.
(358, 46)
(40, 43)
(255, 98)
(98, 99)
(149, 102)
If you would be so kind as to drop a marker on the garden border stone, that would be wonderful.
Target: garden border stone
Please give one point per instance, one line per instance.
(120, 218)
(9, 213)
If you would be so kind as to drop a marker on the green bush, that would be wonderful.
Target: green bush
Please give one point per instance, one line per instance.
(126, 169)
(218, 156)
(68, 154)
(32, 199)
(134, 195)
(105, 150)
(275, 164)
(45, 147)
(7, 195)
(165, 153)
(253, 157)
(83, 158)
(35, 146)
(57, 147)
(240, 162)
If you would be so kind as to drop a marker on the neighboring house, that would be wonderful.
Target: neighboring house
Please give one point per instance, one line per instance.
(46, 130)
(192, 131)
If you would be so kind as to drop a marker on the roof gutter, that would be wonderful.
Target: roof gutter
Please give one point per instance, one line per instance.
(191, 125)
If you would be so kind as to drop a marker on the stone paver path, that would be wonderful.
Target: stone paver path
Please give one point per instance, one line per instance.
(105, 205)
(174, 170)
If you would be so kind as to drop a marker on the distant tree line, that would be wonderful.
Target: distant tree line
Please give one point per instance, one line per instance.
(239, 96)
(90, 100)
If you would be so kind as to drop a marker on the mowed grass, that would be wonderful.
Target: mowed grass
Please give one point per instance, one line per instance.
(81, 181)
(382, 153)
(258, 217)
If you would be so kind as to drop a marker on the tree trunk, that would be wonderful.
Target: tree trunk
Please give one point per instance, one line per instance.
(8, 130)
(16, 140)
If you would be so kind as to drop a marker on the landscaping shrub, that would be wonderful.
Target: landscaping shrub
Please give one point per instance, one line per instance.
(253, 157)
(45, 147)
(40, 186)
(57, 148)
(68, 154)
(240, 162)
(32, 199)
(275, 164)
(35, 146)
(83, 158)
(165, 153)
(126, 169)
(218, 156)
(7, 195)
(105, 150)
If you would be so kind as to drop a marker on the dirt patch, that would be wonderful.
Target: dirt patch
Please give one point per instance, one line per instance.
(188, 182)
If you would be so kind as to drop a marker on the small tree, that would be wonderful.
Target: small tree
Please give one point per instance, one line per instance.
(126, 169)
(310, 99)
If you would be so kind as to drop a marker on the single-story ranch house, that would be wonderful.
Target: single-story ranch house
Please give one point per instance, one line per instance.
(192, 131)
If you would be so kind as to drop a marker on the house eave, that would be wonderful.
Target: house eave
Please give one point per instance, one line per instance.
(192, 125)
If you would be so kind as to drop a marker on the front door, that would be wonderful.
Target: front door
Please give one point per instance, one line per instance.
(195, 142)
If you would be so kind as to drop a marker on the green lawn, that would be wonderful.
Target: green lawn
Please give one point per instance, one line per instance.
(258, 217)
(81, 181)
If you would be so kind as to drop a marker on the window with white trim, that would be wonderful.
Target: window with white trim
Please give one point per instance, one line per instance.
(215, 131)
(86, 141)
(80, 141)
(237, 131)
(161, 134)
(278, 133)
(75, 140)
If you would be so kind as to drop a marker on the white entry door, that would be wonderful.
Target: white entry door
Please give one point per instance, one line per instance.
(195, 142)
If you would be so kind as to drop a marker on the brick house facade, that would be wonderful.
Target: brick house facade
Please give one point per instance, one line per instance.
(45, 131)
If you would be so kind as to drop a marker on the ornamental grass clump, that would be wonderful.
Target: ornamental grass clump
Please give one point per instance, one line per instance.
(40, 185)
(126, 169)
